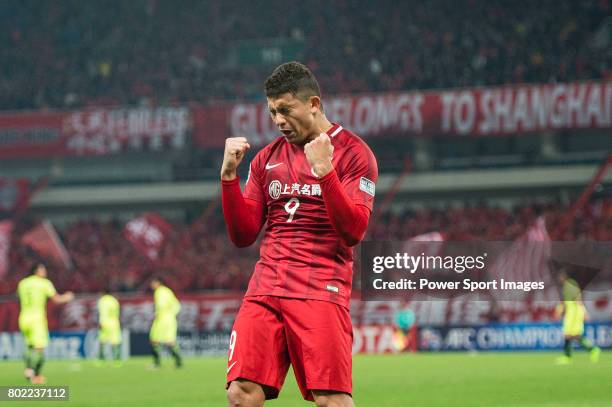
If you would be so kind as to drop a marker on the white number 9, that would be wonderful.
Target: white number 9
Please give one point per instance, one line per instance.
(291, 210)
(232, 344)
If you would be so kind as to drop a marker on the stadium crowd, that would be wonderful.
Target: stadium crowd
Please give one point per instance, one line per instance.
(59, 54)
(200, 257)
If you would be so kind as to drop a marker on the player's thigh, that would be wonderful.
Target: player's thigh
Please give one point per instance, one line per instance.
(573, 328)
(39, 335)
(320, 340)
(258, 348)
(26, 329)
(163, 330)
(110, 335)
(573, 324)
(115, 336)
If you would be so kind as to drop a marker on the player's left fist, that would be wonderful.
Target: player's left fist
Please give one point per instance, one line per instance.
(319, 153)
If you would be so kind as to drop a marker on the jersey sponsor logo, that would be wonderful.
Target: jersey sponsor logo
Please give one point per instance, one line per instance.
(367, 186)
(332, 288)
(231, 366)
(276, 189)
(270, 166)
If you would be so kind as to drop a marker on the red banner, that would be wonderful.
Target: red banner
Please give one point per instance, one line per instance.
(93, 132)
(44, 240)
(147, 233)
(216, 312)
(503, 110)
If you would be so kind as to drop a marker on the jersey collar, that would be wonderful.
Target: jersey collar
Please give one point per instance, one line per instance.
(334, 130)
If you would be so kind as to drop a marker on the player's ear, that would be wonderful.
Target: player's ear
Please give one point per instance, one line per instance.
(315, 104)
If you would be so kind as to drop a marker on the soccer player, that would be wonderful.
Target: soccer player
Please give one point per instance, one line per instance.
(163, 330)
(33, 292)
(109, 333)
(314, 187)
(574, 315)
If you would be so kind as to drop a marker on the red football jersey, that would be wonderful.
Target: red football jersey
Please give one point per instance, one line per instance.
(302, 256)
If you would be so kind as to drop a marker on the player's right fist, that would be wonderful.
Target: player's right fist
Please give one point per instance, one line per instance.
(235, 149)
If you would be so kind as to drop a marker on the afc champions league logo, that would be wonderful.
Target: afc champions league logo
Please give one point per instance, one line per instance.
(275, 189)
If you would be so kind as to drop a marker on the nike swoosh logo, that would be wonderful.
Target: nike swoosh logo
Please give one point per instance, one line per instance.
(269, 167)
(230, 366)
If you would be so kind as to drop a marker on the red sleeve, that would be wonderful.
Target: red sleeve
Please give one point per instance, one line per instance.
(358, 174)
(243, 217)
(350, 219)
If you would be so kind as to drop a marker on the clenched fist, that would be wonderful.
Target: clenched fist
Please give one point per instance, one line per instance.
(319, 153)
(235, 149)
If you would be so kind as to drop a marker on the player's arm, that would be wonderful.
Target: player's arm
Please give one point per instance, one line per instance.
(243, 216)
(62, 298)
(350, 219)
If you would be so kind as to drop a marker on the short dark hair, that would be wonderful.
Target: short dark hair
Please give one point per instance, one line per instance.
(34, 267)
(292, 77)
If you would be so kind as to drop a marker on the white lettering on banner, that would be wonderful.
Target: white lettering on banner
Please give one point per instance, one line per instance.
(575, 101)
(594, 106)
(500, 110)
(557, 117)
(373, 339)
(460, 338)
(604, 336)
(340, 109)
(507, 337)
(11, 345)
(375, 114)
(138, 317)
(521, 118)
(104, 131)
(527, 109)
(220, 315)
(64, 348)
(75, 314)
(363, 114)
(188, 317)
(447, 101)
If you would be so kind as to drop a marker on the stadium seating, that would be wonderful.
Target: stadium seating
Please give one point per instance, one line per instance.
(70, 53)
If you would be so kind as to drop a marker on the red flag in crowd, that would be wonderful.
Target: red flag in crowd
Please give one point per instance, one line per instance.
(44, 240)
(526, 259)
(147, 234)
(422, 244)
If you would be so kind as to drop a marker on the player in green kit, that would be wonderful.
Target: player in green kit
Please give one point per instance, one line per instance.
(33, 292)
(163, 330)
(110, 327)
(574, 315)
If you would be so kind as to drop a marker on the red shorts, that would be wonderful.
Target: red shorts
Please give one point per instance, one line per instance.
(314, 336)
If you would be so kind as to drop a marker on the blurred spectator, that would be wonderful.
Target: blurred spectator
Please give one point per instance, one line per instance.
(70, 53)
(200, 256)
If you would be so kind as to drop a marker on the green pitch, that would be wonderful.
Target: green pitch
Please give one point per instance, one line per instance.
(486, 379)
